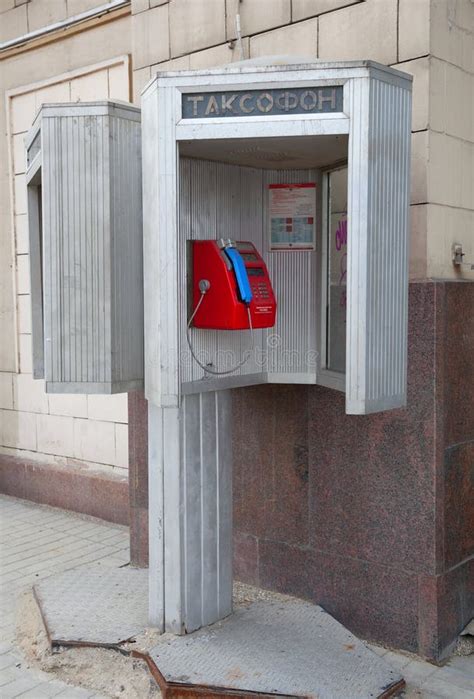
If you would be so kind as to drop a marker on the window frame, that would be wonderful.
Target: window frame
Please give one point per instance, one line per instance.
(326, 377)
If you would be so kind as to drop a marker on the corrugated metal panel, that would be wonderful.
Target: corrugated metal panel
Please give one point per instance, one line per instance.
(161, 248)
(127, 249)
(207, 508)
(152, 244)
(191, 512)
(377, 246)
(92, 249)
(291, 343)
(223, 200)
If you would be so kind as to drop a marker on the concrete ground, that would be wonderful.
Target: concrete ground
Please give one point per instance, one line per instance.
(38, 541)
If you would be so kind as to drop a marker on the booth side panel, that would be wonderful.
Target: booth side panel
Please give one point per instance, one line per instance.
(357, 242)
(160, 194)
(379, 151)
(49, 271)
(77, 254)
(152, 298)
(126, 252)
(387, 273)
(92, 249)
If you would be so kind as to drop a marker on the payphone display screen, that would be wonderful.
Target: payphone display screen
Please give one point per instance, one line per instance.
(255, 272)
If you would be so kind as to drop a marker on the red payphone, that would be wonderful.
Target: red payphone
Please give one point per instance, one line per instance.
(231, 286)
(231, 290)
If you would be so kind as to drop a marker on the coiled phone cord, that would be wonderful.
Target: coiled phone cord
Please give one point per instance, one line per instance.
(193, 354)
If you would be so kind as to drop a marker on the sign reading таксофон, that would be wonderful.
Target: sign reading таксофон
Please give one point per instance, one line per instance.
(299, 100)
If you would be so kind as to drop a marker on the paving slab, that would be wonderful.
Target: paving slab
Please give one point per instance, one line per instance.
(99, 606)
(29, 529)
(290, 648)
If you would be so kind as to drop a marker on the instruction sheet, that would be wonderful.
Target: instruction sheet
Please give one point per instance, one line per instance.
(292, 212)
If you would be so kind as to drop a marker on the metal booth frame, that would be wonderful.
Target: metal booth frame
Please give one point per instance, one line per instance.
(190, 459)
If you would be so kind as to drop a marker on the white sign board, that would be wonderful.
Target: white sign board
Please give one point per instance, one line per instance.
(292, 209)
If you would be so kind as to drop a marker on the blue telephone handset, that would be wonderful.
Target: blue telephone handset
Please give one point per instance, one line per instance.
(240, 272)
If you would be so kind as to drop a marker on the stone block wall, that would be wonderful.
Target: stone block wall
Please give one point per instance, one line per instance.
(18, 17)
(431, 39)
(450, 184)
(61, 431)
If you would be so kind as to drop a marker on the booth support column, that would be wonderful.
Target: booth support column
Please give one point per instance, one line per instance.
(190, 512)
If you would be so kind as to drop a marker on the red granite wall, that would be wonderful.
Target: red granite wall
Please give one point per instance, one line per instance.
(370, 516)
(74, 488)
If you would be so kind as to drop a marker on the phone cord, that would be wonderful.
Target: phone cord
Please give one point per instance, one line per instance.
(203, 366)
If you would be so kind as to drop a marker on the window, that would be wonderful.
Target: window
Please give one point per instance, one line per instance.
(334, 279)
(336, 276)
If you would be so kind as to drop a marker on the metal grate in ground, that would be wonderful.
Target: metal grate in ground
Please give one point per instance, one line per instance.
(290, 648)
(38, 541)
(103, 607)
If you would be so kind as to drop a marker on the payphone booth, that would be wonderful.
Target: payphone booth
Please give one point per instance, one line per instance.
(275, 251)
(275, 216)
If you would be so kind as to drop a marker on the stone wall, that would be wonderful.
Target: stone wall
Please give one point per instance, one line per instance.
(58, 430)
(450, 141)
(370, 516)
(18, 17)
(431, 39)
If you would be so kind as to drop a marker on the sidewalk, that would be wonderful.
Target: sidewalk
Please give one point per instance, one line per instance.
(38, 541)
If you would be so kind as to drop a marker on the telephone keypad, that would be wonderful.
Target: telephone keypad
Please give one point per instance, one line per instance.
(260, 291)
(234, 279)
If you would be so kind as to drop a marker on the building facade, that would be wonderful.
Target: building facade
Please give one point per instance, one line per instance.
(370, 516)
